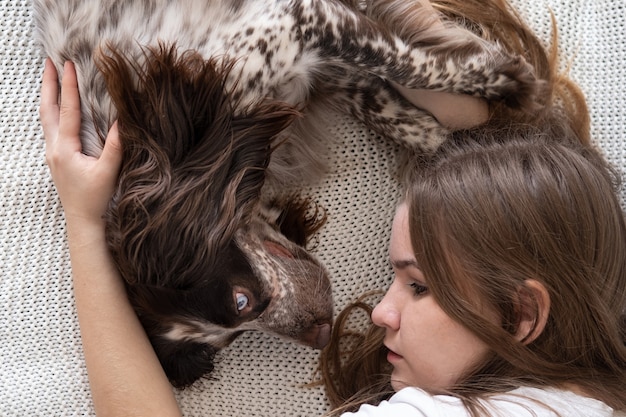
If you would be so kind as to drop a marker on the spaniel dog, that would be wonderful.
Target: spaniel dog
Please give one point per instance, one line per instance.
(219, 104)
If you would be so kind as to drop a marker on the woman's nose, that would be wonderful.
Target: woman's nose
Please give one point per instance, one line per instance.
(385, 314)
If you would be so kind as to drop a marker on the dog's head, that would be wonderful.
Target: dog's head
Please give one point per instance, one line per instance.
(203, 256)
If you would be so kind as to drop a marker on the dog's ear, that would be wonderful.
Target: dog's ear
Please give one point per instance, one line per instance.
(193, 163)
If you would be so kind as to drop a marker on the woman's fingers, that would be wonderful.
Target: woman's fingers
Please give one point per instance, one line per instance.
(49, 106)
(69, 122)
(60, 121)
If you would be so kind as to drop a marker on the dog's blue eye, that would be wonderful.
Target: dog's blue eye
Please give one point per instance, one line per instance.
(242, 301)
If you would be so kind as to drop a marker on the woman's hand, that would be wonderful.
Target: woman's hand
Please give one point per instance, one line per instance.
(85, 184)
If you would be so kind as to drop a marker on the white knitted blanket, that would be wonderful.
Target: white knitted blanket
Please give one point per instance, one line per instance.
(42, 372)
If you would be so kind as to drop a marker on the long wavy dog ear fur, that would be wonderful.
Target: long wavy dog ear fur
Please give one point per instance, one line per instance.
(191, 164)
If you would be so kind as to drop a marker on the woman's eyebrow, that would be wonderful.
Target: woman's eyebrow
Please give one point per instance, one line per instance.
(404, 263)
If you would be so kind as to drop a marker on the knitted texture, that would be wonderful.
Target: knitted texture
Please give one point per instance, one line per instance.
(43, 372)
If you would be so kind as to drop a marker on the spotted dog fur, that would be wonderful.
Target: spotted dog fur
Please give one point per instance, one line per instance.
(218, 98)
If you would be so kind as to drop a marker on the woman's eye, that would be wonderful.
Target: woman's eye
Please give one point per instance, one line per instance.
(418, 289)
(242, 301)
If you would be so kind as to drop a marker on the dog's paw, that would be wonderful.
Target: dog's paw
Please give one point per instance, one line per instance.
(515, 84)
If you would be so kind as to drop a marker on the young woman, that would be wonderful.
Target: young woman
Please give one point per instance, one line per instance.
(501, 296)
(126, 378)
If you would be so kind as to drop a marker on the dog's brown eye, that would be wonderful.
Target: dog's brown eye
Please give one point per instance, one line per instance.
(242, 301)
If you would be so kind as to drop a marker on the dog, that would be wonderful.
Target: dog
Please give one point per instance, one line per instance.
(219, 103)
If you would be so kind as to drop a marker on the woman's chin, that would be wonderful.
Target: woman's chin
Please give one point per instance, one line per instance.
(397, 383)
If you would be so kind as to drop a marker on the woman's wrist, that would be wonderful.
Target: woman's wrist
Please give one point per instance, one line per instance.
(89, 250)
(82, 230)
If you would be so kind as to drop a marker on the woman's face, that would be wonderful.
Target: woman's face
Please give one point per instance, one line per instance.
(426, 347)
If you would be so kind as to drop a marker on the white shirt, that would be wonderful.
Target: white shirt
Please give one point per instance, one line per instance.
(522, 402)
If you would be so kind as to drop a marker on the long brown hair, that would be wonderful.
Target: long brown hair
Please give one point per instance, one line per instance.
(495, 212)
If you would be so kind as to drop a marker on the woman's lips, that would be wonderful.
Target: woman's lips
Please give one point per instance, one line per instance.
(393, 356)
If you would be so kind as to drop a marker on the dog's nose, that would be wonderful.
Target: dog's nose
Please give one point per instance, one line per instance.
(318, 336)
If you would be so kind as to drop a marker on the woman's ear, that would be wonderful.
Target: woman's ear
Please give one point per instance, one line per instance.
(533, 310)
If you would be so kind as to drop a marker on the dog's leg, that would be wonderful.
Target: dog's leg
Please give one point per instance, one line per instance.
(441, 57)
(382, 109)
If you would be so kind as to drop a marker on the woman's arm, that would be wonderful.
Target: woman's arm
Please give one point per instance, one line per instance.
(125, 375)
(454, 111)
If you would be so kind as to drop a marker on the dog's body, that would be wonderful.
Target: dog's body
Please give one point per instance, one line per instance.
(205, 257)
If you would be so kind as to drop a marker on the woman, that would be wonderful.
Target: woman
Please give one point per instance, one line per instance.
(354, 366)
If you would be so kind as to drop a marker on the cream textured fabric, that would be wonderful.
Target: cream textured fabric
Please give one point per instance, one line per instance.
(42, 372)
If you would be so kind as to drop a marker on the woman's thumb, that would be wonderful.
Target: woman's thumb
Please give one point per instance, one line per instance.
(112, 153)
